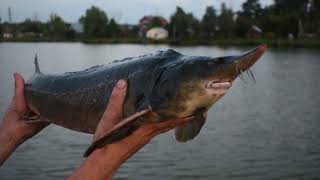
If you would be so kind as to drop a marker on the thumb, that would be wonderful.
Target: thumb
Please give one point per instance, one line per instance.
(19, 100)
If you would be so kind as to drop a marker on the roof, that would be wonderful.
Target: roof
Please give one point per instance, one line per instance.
(256, 28)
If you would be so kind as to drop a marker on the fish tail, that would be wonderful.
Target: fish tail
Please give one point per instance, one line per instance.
(36, 64)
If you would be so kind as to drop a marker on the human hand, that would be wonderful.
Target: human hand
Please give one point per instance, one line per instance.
(13, 129)
(104, 162)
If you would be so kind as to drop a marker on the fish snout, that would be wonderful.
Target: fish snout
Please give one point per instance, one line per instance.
(245, 61)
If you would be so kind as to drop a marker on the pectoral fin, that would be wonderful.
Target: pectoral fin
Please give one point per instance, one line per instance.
(190, 130)
(116, 133)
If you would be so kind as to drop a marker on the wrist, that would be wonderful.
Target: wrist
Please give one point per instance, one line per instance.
(8, 144)
(9, 132)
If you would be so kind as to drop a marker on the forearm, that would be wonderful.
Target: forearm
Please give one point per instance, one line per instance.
(8, 143)
(104, 162)
(7, 147)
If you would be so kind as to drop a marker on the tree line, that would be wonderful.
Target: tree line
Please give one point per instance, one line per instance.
(277, 20)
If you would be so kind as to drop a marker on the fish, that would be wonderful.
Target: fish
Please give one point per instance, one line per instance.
(171, 84)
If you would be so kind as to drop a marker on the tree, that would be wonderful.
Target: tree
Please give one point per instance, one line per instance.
(243, 25)
(226, 22)
(209, 21)
(179, 24)
(95, 22)
(1, 30)
(57, 27)
(250, 14)
(314, 16)
(183, 25)
(194, 26)
(285, 6)
(32, 26)
(251, 9)
(113, 28)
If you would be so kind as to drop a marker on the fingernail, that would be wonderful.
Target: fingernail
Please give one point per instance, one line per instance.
(121, 84)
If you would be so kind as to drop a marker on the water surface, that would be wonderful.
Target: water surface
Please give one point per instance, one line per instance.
(267, 130)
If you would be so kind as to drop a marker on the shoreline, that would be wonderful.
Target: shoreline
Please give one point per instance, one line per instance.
(275, 43)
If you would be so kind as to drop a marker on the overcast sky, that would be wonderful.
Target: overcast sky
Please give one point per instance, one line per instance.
(124, 11)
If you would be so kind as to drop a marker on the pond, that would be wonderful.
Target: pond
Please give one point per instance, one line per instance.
(264, 130)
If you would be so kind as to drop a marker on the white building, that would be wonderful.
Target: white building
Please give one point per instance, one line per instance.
(7, 35)
(157, 33)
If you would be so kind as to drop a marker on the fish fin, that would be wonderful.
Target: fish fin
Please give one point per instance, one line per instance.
(36, 64)
(116, 133)
(190, 130)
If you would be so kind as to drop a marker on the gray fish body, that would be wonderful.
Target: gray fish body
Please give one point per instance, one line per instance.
(77, 100)
(173, 85)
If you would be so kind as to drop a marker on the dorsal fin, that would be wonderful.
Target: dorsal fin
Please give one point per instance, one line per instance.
(36, 64)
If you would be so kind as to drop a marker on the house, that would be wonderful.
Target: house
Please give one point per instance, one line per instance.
(254, 32)
(146, 21)
(157, 33)
(7, 35)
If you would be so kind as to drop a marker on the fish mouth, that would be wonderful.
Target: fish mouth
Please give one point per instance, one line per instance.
(219, 85)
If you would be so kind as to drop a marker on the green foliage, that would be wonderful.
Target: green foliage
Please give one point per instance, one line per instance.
(276, 21)
(183, 25)
(251, 9)
(32, 26)
(250, 15)
(243, 25)
(95, 22)
(226, 22)
(58, 28)
(209, 22)
(288, 6)
(1, 28)
(113, 29)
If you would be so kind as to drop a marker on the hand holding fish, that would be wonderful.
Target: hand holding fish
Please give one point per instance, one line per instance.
(103, 162)
(13, 129)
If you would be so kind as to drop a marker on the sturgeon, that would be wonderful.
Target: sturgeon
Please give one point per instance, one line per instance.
(171, 84)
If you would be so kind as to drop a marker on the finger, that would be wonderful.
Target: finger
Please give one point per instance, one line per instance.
(19, 84)
(113, 113)
(114, 109)
(19, 103)
(100, 134)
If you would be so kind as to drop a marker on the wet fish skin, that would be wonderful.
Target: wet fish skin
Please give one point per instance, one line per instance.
(172, 84)
(77, 100)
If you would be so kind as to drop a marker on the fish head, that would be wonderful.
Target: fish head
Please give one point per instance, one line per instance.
(197, 82)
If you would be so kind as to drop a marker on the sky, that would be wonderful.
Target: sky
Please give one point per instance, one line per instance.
(123, 11)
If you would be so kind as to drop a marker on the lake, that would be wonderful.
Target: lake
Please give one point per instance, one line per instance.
(264, 130)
